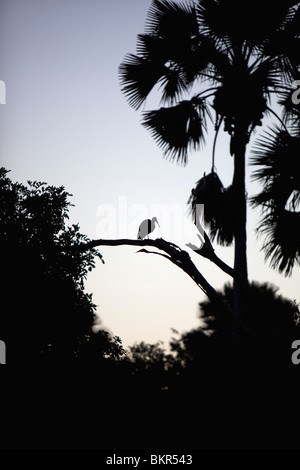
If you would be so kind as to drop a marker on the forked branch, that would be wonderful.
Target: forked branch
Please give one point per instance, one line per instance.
(181, 259)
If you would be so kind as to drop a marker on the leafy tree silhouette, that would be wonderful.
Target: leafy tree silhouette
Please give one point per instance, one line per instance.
(46, 316)
(200, 356)
(150, 366)
(274, 320)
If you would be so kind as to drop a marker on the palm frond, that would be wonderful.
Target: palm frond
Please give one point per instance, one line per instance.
(178, 128)
(290, 100)
(256, 28)
(282, 240)
(277, 152)
(163, 50)
(209, 15)
(277, 155)
(152, 46)
(294, 19)
(168, 19)
(173, 84)
(265, 76)
(138, 76)
(159, 63)
(157, 50)
(267, 151)
(282, 40)
(218, 207)
(287, 56)
(188, 51)
(201, 58)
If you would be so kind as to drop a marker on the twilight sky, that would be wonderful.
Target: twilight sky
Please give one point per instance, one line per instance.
(66, 122)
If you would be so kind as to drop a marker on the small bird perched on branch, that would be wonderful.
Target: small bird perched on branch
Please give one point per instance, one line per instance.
(146, 227)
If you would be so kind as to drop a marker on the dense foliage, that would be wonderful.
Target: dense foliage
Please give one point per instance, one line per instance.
(46, 315)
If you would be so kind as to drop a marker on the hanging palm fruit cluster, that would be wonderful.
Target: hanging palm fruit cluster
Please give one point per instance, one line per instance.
(240, 98)
(278, 154)
(217, 202)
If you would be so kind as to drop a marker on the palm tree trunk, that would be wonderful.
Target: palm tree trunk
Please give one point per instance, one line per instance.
(240, 285)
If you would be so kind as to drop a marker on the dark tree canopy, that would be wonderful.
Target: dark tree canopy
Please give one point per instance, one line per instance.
(199, 358)
(274, 320)
(46, 315)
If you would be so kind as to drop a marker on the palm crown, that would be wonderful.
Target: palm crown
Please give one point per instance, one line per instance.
(218, 59)
(236, 53)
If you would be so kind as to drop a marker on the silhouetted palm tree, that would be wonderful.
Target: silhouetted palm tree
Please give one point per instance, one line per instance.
(222, 55)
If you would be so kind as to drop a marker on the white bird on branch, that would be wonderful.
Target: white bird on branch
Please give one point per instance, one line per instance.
(146, 227)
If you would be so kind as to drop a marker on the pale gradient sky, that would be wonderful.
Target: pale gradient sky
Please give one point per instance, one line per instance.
(66, 122)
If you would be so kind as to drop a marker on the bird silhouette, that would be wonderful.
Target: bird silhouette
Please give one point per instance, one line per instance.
(146, 227)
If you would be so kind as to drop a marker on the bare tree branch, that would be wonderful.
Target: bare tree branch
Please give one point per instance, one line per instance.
(207, 251)
(181, 259)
